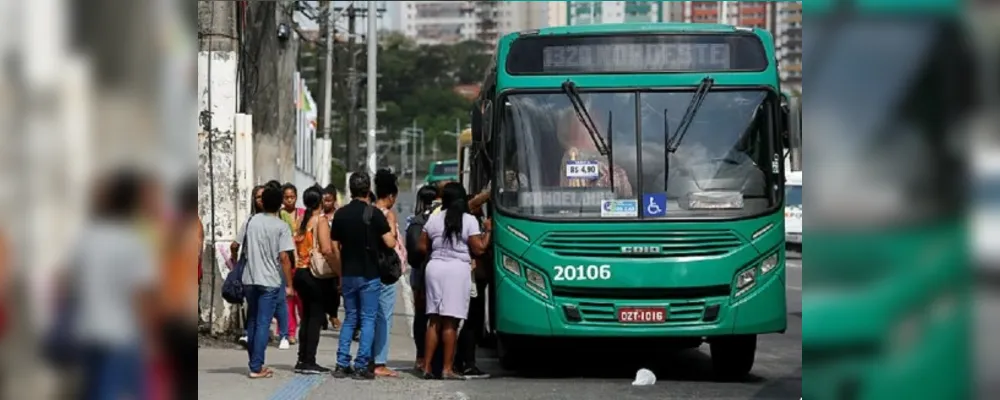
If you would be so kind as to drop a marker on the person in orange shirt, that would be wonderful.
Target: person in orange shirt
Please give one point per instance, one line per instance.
(311, 290)
(179, 296)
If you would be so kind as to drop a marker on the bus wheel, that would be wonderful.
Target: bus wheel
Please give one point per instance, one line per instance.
(733, 356)
(509, 353)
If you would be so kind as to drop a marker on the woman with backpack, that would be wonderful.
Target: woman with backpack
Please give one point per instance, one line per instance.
(386, 189)
(414, 226)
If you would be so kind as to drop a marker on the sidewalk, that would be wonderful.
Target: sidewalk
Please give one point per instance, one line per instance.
(222, 373)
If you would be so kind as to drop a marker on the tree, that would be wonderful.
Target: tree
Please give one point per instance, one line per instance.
(417, 83)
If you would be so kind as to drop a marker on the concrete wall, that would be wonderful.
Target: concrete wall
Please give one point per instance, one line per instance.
(218, 191)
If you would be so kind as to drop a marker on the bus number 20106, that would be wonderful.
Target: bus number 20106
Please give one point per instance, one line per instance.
(582, 272)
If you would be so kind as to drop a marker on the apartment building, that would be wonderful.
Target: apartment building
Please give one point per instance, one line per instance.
(444, 22)
(788, 41)
(758, 14)
(561, 13)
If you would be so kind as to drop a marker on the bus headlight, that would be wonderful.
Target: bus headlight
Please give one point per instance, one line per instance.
(536, 281)
(511, 265)
(745, 280)
(769, 263)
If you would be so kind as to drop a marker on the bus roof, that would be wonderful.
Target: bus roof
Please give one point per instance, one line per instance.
(629, 27)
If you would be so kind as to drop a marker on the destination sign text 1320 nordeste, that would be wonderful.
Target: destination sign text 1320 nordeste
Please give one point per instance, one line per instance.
(622, 57)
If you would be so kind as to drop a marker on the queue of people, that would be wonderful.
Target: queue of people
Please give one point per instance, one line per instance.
(285, 247)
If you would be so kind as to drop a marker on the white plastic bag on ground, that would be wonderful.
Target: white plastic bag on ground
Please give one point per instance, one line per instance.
(644, 377)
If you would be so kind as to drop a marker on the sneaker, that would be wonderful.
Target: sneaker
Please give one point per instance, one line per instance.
(474, 373)
(310, 369)
(342, 372)
(363, 375)
(284, 344)
(243, 341)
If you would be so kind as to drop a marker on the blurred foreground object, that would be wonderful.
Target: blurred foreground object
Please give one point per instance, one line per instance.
(886, 300)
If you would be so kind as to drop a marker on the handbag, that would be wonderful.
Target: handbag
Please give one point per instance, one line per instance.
(318, 266)
(389, 266)
(232, 287)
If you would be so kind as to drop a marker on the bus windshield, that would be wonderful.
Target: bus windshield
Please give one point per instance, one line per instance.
(550, 168)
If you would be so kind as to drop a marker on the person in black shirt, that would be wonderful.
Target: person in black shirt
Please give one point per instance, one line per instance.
(360, 281)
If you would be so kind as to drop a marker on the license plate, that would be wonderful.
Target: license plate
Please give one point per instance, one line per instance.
(642, 315)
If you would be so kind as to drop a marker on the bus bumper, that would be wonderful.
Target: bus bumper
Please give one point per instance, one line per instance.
(522, 311)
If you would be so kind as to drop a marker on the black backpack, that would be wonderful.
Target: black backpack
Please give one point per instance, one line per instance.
(390, 268)
(413, 231)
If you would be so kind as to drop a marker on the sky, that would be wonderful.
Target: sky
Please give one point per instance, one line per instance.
(388, 20)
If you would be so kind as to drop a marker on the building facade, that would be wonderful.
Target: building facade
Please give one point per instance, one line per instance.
(788, 40)
(447, 22)
(562, 13)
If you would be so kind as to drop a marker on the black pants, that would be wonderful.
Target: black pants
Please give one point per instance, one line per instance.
(469, 337)
(311, 292)
(179, 338)
(419, 330)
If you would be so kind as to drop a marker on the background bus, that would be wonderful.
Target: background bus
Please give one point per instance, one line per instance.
(446, 170)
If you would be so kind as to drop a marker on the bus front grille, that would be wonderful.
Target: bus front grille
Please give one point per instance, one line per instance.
(657, 244)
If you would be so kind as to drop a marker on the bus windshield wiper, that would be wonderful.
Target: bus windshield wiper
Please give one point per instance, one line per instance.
(569, 88)
(699, 96)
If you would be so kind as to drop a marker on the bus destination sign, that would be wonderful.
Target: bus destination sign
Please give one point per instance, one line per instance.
(636, 54)
(636, 57)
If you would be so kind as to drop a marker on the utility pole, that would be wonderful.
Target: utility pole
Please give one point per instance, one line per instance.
(372, 84)
(413, 172)
(327, 26)
(273, 103)
(352, 76)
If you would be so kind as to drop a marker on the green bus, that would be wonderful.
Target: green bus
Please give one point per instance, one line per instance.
(637, 187)
(438, 171)
(887, 299)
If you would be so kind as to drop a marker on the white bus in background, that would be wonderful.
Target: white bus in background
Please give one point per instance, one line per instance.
(793, 207)
(986, 208)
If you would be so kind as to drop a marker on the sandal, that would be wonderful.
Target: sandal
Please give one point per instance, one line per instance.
(386, 372)
(264, 373)
(451, 376)
(429, 376)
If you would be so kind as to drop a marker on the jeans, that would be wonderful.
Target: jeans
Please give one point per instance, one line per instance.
(311, 291)
(263, 304)
(383, 323)
(360, 305)
(284, 305)
(113, 373)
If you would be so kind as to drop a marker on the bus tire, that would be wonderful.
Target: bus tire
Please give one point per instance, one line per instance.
(733, 356)
(509, 353)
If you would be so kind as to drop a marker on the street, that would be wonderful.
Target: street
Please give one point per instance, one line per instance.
(590, 373)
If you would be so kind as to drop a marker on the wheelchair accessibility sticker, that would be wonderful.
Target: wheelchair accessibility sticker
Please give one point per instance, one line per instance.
(654, 204)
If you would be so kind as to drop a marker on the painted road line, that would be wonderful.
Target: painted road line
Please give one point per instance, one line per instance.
(299, 387)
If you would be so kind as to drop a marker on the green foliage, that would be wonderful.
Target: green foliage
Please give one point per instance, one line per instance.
(417, 84)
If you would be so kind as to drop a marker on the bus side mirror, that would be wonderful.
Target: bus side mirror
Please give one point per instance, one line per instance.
(785, 127)
(477, 121)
